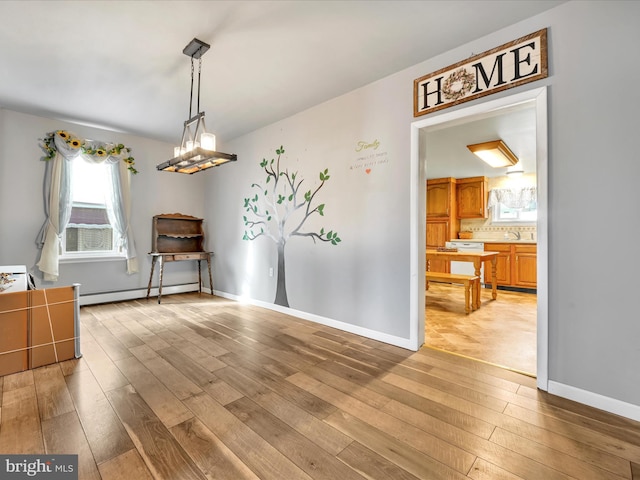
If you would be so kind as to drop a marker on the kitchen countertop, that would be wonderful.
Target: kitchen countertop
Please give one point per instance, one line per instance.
(496, 240)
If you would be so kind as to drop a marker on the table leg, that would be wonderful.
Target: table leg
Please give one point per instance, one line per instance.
(467, 290)
(426, 285)
(153, 264)
(494, 276)
(199, 278)
(161, 273)
(477, 265)
(209, 267)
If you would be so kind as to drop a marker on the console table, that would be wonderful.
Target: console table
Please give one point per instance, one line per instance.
(175, 257)
(177, 237)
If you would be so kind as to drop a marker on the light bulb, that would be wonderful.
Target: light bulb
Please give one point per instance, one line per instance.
(208, 141)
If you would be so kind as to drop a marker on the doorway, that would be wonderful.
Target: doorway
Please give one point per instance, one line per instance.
(537, 98)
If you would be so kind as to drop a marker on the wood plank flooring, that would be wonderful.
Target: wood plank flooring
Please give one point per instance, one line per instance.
(206, 388)
(501, 332)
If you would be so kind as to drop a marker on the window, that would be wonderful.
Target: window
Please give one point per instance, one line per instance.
(89, 233)
(92, 234)
(502, 213)
(514, 205)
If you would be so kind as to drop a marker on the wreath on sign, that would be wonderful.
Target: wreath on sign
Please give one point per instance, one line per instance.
(458, 84)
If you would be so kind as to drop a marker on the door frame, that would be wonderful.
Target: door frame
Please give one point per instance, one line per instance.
(417, 195)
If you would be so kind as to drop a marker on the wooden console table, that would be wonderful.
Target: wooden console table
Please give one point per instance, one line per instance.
(176, 257)
(177, 237)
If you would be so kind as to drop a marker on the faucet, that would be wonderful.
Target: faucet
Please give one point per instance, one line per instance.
(516, 234)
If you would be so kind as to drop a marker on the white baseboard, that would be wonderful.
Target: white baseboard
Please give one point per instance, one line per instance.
(347, 327)
(95, 298)
(608, 404)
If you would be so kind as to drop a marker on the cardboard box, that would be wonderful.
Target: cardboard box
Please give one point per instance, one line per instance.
(38, 327)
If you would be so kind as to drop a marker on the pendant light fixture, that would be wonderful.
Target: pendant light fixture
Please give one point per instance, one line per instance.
(197, 150)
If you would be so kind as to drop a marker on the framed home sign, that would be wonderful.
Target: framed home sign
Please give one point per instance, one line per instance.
(515, 63)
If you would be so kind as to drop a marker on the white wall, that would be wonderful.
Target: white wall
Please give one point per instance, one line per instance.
(22, 207)
(593, 172)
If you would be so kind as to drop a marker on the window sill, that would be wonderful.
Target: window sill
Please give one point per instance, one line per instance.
(91, 258)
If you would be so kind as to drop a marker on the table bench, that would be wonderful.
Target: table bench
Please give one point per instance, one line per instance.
(467, 280)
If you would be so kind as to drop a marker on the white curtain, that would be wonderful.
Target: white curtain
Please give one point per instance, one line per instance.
(119, 211)
(512, 197)
(58, 202)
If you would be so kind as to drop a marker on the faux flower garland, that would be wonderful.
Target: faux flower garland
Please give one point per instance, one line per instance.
(48, 145)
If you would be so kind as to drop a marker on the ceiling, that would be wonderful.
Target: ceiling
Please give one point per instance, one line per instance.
(444, 146)
(119, 64)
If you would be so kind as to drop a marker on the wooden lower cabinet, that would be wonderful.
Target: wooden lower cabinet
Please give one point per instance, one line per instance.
(525, 269)
(438, 233)
(503, 263)
(442, 224)
(516, 265)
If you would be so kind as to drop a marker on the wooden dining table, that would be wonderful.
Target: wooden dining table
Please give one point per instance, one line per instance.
(477, 258)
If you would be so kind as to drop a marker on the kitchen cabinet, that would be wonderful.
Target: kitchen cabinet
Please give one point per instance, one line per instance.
(438, 233)
(442, 223)
(516, 265)
(441, 197)
(471, 197)
(525, 272)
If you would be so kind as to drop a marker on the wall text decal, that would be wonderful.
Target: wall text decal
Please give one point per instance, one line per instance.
(515, 63)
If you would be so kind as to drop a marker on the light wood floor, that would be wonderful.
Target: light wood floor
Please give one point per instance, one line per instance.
(502, 332)
(207, 388)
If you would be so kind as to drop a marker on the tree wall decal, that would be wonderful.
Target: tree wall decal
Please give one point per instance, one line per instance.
(272, 210)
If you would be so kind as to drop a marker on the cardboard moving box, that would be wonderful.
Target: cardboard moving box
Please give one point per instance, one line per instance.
(38, 327)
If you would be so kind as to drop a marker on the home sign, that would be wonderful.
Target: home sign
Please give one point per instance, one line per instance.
(515, 63)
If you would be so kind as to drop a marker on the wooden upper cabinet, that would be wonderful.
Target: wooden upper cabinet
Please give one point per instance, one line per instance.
(471, 197)
(441, 197)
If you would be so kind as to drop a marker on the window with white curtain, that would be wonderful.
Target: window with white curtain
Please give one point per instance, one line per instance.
(513, 205)
(89, 233)
(77, 224)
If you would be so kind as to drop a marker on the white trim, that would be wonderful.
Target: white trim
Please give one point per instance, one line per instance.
(595, 400)
(417, 193)
(417, 232)
(124, 295)
(329, 322)
(92, 257)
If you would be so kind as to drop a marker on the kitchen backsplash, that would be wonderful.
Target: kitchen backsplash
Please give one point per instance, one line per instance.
(483, 229)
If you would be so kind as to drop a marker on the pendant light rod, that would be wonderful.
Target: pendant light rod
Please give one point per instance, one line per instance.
(197, 149)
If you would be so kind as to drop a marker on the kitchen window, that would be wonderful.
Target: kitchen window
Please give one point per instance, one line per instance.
(513, 205)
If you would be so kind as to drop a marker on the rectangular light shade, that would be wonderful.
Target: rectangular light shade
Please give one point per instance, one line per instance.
(196, 160)
(495, 153)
